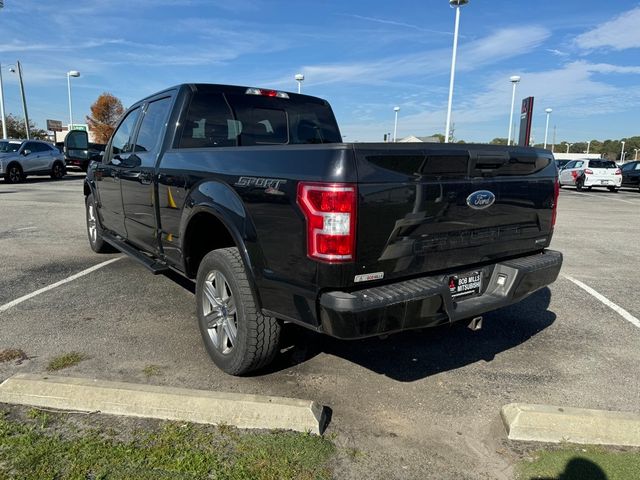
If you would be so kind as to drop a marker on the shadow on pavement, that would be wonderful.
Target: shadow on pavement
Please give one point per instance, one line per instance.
(45, 179)
(417, 354)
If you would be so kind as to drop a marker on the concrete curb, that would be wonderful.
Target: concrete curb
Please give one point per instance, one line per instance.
(165, 403)
(547, 423)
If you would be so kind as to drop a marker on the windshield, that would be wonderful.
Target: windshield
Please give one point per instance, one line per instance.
(6, 147)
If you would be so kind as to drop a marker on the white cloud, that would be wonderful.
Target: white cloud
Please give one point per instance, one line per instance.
(619, 33)
(497, 47)
(572, 91)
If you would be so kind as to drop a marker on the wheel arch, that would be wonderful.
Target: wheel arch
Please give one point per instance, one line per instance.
(231, 228)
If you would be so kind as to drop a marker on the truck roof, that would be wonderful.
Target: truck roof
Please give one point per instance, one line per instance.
(233, 89)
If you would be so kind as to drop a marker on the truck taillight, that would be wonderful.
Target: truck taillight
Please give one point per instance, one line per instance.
(556, 194)
(588, 171)
(330, 212)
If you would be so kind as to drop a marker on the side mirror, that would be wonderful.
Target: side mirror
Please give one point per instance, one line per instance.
(26, 152)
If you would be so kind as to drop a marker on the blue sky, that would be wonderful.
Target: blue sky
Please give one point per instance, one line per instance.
(579, 57)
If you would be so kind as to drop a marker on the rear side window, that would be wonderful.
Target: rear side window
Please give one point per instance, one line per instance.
(209, 123)
(602, 164)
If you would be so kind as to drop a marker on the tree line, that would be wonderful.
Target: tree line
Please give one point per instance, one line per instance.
(611, 149)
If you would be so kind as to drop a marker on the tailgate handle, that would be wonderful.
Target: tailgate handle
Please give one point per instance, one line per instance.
(492, 159)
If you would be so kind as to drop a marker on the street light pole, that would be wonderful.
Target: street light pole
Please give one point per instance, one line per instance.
(546, 129)
(636, 150)
(454, 4)
(3, 117)
(588, 146)
(622, 153)
(24, 100)
(299, 78)
(75, 74)
(395, 125)
(514, 80)
(569, 145)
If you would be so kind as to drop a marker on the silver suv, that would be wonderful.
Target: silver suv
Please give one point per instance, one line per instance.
(19, 158)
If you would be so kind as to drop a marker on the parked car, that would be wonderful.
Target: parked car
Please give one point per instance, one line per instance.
(81, 155)
(20, 158)
(585, 174)
(631, 174)
(253, 194)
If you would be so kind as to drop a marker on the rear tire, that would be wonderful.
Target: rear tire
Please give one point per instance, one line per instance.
(58, 171)
(94, 230)
(237, 336)
(613, 189)
(579, 184)
(14, 173)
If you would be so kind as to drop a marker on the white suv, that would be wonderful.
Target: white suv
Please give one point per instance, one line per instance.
(19, 158)
(591, 173)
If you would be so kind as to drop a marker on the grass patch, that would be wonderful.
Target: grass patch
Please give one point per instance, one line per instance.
(10, 354)
(30, 450)
(152, 371)
(581, 463)
(65, 360)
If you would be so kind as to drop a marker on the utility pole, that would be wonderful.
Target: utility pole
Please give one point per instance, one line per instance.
(4, 118)
(553, 145)
(24, 101)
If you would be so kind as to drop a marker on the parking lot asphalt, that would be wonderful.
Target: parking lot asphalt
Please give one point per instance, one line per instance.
(416, 405)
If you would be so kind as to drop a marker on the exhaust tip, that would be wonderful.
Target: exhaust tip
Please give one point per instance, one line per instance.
(475, 324)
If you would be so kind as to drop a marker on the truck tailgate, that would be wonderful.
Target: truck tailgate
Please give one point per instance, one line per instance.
(417, 212)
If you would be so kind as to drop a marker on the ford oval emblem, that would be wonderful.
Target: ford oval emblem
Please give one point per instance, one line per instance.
(481, 199)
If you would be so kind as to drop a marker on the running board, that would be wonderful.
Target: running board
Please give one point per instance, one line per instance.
(154, 266)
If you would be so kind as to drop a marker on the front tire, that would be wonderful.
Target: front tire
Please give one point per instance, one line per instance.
(14, 174)
(237, 336)
(94, 230)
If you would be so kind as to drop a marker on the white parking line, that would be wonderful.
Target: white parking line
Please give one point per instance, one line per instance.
(618, 309)
(24, 298)
(600, 196)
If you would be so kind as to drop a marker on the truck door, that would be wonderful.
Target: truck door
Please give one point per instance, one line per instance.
(138, 174)
(107, 173)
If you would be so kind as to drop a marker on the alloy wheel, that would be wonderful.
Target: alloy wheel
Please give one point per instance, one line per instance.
(219, 309)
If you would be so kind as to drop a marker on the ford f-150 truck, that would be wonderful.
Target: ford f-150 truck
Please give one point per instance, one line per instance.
(252, 193)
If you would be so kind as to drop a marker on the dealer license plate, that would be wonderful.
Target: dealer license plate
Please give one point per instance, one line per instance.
(605, 182)
(464, 285)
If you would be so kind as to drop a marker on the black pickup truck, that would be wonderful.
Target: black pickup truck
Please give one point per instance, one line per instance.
(252, 193)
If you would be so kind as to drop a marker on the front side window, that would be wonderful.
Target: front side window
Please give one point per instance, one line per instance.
(121, 142)
(31, 146)
(152, 125)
